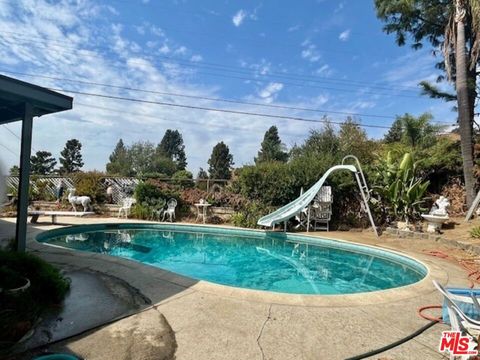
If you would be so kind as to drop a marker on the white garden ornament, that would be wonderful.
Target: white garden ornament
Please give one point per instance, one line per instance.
(85, 201)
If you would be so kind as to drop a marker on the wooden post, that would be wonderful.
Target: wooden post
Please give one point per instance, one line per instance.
(24, 178)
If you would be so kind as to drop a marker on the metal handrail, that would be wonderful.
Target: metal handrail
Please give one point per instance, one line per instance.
(362, 184)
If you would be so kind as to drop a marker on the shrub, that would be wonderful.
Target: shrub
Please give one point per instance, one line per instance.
(48, 286)
(146, 190)
(20, 311)
(475, 232)
(183, 179)
(249, 214)
(90, 184)
(400, 189)
(150, 196)
(270, 183)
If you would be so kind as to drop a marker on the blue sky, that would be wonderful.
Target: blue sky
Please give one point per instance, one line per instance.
(324, 54)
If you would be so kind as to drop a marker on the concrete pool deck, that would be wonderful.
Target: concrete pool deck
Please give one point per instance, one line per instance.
(211, 321)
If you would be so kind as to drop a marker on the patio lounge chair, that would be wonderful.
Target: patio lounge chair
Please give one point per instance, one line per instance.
(458, 319)
(320, 212)
(170, 212)
(126, 207)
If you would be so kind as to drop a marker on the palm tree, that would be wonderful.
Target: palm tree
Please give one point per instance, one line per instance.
(466, 11)
(418, 131)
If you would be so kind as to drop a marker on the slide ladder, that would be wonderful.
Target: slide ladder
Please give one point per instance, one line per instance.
(296, 206)
(364, 190)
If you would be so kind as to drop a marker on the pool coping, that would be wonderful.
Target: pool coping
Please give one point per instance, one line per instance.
(424, 286)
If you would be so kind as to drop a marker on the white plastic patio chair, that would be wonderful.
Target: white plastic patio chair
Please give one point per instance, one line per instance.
(458, 319)
(126, 207)
(170, 212)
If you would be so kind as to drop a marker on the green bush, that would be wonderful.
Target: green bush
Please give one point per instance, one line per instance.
(18, 312)
(150, 195)
(475, 232)
(48, 286)
(146, 190)
(40, 189)
(399, 187)
(183, 179)
(90, 184)
(249, 214)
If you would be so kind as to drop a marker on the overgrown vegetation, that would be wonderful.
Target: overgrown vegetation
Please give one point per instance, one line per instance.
(401, 191)
(475, 232)
(19, 311)
(401, 186)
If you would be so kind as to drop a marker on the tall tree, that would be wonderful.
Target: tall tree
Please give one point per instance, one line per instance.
(454, 26)
(173, 148)
(319, 143)
(71, 157)
(395, 132)
(202, 174)
(465, 98)
(353, 140)
(42, 163)
(145, 160)
(419, 131)
(14, 170)
(119, 163)
(272, 148)
(220, 162)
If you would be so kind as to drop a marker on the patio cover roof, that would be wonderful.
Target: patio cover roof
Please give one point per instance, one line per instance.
(15, 93)
(22, 101)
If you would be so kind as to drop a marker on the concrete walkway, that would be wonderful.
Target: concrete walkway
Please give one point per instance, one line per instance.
(218, 322)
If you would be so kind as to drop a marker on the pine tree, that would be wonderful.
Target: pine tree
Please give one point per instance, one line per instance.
(220, 162)
(14, 170)
(120, 163)
(42, 163)
(173, 148)
(395, 132)
(71, 157)
(272, 148)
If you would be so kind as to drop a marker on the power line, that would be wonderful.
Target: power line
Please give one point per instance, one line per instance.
(239, 70)
(234, 101)
(14, 134)
(9, 150)
(222, 66)
(229, 111)
(253, 78)
(155, 118)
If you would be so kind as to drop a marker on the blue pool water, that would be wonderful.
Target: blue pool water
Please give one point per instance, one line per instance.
(277, 262)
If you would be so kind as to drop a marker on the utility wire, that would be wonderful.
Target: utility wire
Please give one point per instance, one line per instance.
(234, 101)
(8, 149)
(14, 134)
(243, 71)
(253, 78)
(229, 111)
(108, 109)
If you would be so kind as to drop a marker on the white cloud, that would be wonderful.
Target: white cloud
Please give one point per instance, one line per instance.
(182, 50)
(324, 70)
(344, 35)
(164, 49)
(310, 51)
(293, 28)
(196, 58)
(238, 18)
(269, 92)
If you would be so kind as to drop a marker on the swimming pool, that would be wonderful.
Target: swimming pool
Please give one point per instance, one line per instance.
(279, 262)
